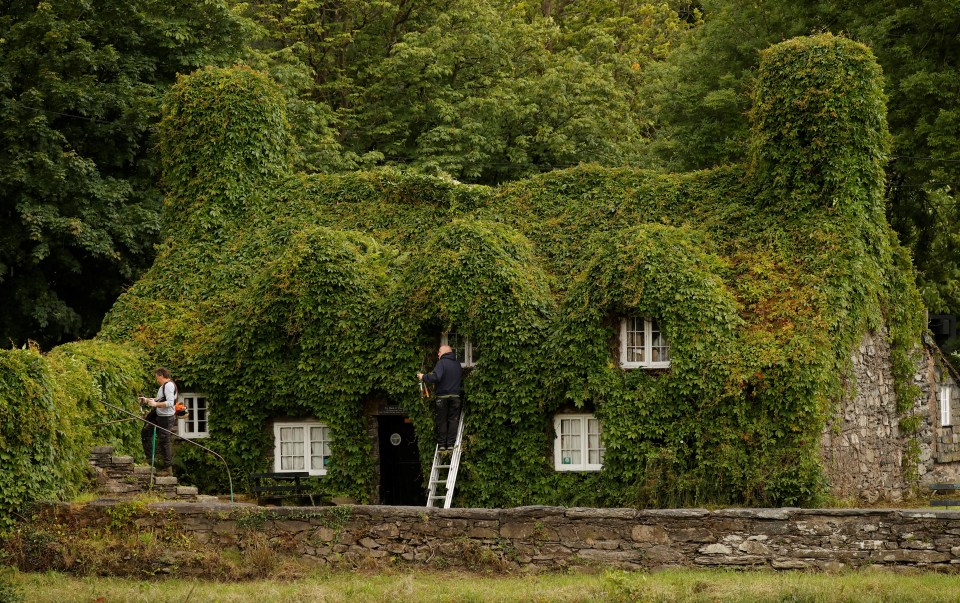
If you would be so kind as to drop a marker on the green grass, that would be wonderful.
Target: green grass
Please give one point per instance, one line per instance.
(421, 586)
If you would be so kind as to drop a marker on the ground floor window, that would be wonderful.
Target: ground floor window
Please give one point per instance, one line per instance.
(194, 424)
(301, 446)
(946, 395)
(578, 445)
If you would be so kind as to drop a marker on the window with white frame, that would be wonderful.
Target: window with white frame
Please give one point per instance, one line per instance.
(462, 347)
(946, 395)
(301, 446)
(195, 423)
(643, 344)
(578, 445)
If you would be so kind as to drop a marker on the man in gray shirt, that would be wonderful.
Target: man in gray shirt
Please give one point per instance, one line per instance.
(161, 415)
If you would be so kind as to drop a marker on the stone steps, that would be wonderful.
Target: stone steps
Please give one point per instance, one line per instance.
(119, 477)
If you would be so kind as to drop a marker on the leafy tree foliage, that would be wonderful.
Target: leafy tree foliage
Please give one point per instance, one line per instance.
(485, 91)
(80, 82)
(52, 413)
(699, 97)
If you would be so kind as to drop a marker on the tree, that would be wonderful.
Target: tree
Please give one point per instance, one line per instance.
(699, 97)
(80, 82)
(485, 91)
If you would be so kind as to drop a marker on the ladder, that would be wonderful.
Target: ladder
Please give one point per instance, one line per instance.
(443, 474)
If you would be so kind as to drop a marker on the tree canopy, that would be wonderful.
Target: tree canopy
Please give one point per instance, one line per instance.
(485, 91)
(699, 95)
(80, 85)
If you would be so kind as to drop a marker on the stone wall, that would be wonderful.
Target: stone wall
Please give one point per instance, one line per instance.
(546, 538)
(944, 441)
(862, 448)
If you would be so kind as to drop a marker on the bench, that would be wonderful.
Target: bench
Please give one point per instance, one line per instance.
(941, 489)
(273, 488)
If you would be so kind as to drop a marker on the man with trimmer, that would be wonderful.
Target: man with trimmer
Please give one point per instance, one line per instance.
(157, 441)
(446, 375)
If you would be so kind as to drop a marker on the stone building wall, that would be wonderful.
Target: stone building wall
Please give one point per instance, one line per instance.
(863, 448)
(541, 538)
(943, 441)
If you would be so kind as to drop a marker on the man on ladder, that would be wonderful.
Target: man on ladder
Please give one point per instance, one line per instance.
(447, 411)
(447, 403)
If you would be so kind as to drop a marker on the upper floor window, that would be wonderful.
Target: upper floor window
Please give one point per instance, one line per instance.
(302, 446)
(194, 424)
(466, 353)
(946, 393)
(643, 344)
(578, 445)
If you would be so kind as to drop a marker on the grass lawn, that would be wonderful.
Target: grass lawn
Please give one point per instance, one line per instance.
(398, 586)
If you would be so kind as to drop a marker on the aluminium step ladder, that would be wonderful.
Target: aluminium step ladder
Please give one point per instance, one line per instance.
(443, 474)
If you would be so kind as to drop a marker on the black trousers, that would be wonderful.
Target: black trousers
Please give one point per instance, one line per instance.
(164, 444)
(446, 419)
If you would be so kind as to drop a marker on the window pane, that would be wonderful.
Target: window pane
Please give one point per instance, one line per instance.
(594, 443)
(660, 351)
(199, 415)
(635, 349)
(570, 442)
(457, 342)
(945, 402)
(319, 447)
(291, 449)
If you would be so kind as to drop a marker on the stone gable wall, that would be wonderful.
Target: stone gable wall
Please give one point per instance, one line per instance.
(552, 538)
(863, 448)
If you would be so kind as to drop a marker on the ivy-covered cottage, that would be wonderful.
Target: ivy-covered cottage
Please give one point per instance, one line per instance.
(747, 334)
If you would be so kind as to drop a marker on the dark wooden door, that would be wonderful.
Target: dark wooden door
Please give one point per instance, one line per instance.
(401, 476)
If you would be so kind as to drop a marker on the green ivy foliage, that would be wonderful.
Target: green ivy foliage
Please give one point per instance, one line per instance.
(321, 294)
(52, 414)
(218, 148)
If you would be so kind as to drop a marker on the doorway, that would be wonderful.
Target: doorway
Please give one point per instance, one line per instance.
(401, 475)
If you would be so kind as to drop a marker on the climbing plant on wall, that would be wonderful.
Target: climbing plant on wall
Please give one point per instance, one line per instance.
(52, 413)
(314, 294)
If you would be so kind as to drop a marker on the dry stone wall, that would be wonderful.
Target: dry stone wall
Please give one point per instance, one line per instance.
(552, 538)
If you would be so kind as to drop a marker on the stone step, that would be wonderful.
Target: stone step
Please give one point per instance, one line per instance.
(187, 490)
(122, 460)
(207, 498)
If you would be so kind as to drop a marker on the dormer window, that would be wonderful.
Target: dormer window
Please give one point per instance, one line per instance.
(643, 344)
(462, 347)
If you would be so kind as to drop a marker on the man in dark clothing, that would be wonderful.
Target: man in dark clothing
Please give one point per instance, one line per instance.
(446, 375)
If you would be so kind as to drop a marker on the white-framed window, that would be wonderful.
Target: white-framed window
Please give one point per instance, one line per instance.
(301, 446)
(579, 444)
(643, 344)
(462, 347)
(946, 397)
(195, 424)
